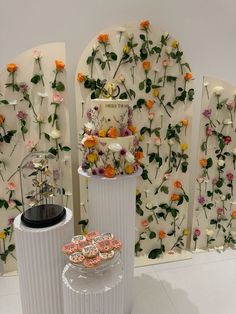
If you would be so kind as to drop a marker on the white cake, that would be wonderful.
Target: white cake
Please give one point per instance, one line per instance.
(109, 144)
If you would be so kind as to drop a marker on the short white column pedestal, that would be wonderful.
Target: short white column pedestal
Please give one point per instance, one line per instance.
(40, 264)
(93, 291)
(111, 208)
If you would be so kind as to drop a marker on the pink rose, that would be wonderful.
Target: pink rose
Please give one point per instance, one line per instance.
(230, 105)
(120, 78)
(197, 232)
(220, 211)
(209, 131)
(11, 186)
(21, 115)
(230, 176)
(37, 54)
(157, 140)
(227, 140)
(57, 97)
(165, 62)
(30, 144)
(11, 203)
(151, 115)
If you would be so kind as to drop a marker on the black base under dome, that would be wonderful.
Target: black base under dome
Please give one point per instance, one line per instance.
(42, 216)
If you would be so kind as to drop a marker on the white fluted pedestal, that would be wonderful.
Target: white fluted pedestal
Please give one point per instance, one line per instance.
(90, 291)
(40, 264)
(111, 208)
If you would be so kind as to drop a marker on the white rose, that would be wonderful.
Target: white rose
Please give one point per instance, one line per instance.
(223, 198)
(130, 35)
(12, 102)
(200, 180)
(168, 49)
(166, 34)
(221, 163)
(115, 147)
(121, 29)
(209, 232)
(156, 69)
(129, 157)
(218, 90)
(89, 126)
(171, 142)
(55, 134)
(43, 95)
(149, 205)
(143, 235)
(206, 84)
(227, 121)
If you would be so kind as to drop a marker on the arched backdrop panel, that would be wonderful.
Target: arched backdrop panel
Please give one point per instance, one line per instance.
(26, 113)
(152, 72)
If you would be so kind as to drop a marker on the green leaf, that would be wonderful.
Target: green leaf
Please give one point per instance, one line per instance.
(66, 148)
(152, 235)
(181, 200)
(47, 136)
(11, 247)
(141, 85)
(35, 79)
(150, 218)
(151, 156)
(143, 130)
(139, 210)
(174, 212)
(89, 60)
(4, 102)
(113, 56)
(60, 87)
(164, 189)
(155, 253)
(142, 37)
(123, 96)
(18, 203)
(83, 222)
(209, 163)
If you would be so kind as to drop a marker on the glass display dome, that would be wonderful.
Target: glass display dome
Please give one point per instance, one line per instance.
(41, 190)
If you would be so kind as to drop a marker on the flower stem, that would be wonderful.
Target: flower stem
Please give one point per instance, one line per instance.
(105, 49)
(117, 69)
(54, 115)
(127, 91)
(162, 104)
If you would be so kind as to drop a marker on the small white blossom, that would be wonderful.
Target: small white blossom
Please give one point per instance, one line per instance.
(209, 232)
(129, 157)
(149, 205)
(55, 134)
(221, 162)
(218, 90)
(115, 147)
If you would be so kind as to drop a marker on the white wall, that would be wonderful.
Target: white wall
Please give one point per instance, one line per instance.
(205, 28)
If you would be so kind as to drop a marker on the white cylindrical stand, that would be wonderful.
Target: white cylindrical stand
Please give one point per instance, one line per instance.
(40, 264)
(90, 291)
(111, 208)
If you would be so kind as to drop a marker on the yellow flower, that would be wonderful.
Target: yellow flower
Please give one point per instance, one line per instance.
(184, 146)
(186, 232)
(102, 133)
(2, 235)
(155, 92)
(126, 49)
(141, 138)
(129, 169)
(175, 44)
(92, 157)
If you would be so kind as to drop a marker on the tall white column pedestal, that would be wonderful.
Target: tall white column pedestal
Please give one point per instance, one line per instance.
(111, 208)
(40, 264)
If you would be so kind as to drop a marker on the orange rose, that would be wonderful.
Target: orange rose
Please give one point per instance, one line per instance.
(89, 141)
(138, 155)
(188, 76)
(146, 65)
(162, 234)
(103, 38)
(185, 123)
(174, 197)
(203, 162)
(177, 184)
(132, 128)
(149, 103)
(60, 65)
(144, 24)
(145, 223)
(80, 77)
(233, 214)
(11, 67)
(112, 132)
(109, 171)
(2, 119)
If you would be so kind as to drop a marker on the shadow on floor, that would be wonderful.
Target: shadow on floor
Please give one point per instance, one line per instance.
(151, 297)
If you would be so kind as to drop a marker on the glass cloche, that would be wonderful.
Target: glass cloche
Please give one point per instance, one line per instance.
(41, 190)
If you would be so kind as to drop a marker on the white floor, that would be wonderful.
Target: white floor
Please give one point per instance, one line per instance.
(204, 285)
